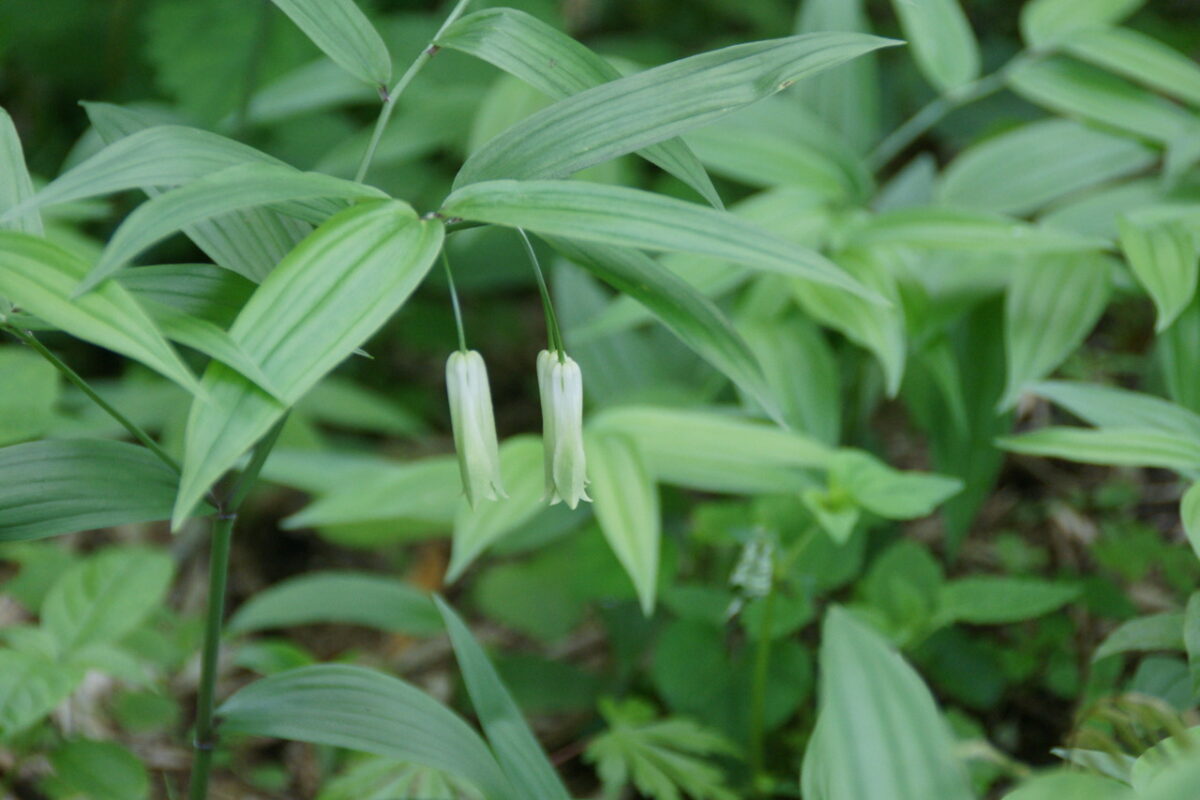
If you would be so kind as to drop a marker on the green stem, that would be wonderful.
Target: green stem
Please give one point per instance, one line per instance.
(390, 98)
(458, 320)
(205, 741)
(553, 333)
(758, 696)
(71, 375)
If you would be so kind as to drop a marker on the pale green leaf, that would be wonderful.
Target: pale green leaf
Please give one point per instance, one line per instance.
(1155, 632)
(15, 185)
(888, 492)
(1166, 260)
(31, 686)
(964, 229)
(1189, 513)
(1046, 22)
(426, 491)
(201, 290)
(344, 34)
(846, 96)
(1070, 786)
(942, 41)
(1000, 600)
(1113, 407)
(1132, 447)
(1140, 57)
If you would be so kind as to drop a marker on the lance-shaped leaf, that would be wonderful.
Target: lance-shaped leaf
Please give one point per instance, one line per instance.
(322, 301)
(962, 229)
(1113, 407)
(559, 66)
(242, 186)
(69, 485)
(202, 290)
(641, 110)
(519, 754)
(15, 184)
(617, 215)
(361, 709)
(1166, 260)
(942, 41)
(1139, 57)
(1045, 22)
(1126, 447)
(344, 34)
(848, 96)
(626, 503)
(39, 276)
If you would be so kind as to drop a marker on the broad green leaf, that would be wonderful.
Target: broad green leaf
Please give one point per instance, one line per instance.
(1155, 632)
(426, 491)
(617, 215)
(879, 733)
(357, 598)
(99, 771)
(1179, 353)
(234, 188)
(1142, 58)
(964, 229)
(1052, 304)
(322, 302)
(1166, 260)
(516, 748)
(559, 66)
(1095, 213)
(1189, 513)
(625, 498)
(200, 290)
(1057, 157)
(31, 686)
(1191, 637)
(1070, 87)
(942, 41)
(39, 276)
(476, 529)
(715, 451)
(15, 185)
(69, 485)
(1046, 22)
(847, 96)
(1113, 407)
(1000, 600)
(635, 112)
(344, 34)
(361, 709)
(888, 492)
(1132, 447)
(27, 403)
(695, 319)
(379, 778)
(1070, 786)
(104, 597)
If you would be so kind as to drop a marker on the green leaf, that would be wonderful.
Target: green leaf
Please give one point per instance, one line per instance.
(942, 41)
(1045, 22)
(361, 709)
(1070, 786)
(617, 215)
(1112, 407)
(39, 276)
(626, 502)
(516, 748)
(559, 66)
(879, 733)
(356, 598)
(99, 600)
(888, 492)
(695, 319)
(1131, 447)
(1139, 57)
(632, 113)
(31, 686)
(238, 187)
(320, 304)
(1155, 632)
(1164, 256)
(1000, 600)
(1189, 513)
(16, 186)
(1191, 637)
(199, 290)
(714, 451)
(963, 229)
(344, 34)
(1058, 157)
(1070, 87)
(1052, 304)
(99, 771)
(68, 485)
(379, 778)
(846, 96)
(345, 404)
(31, 394)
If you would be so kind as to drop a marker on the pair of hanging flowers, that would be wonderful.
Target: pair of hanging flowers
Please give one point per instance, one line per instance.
(560, 388)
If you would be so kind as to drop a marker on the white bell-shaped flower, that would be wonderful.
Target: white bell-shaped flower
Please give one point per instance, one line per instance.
(560, 384)
(474, 426)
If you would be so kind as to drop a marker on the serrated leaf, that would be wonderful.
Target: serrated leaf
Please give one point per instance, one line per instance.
(1045, 22)
(1051, 305)
(999, 600)
(39, 276)
(344, 34)
(321, 303)
(625, 499)
(99, 600)
(1057, 157)
(617, 215)
(516, 748)
(967, 230)
(68, 485)
(361, 709)
(15, 186)
(345, 597)
(234, 188)
(1155, 632)
(1131, 447)
(942, 41)
(1165, 257)
(625, 115)
(559, 66)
